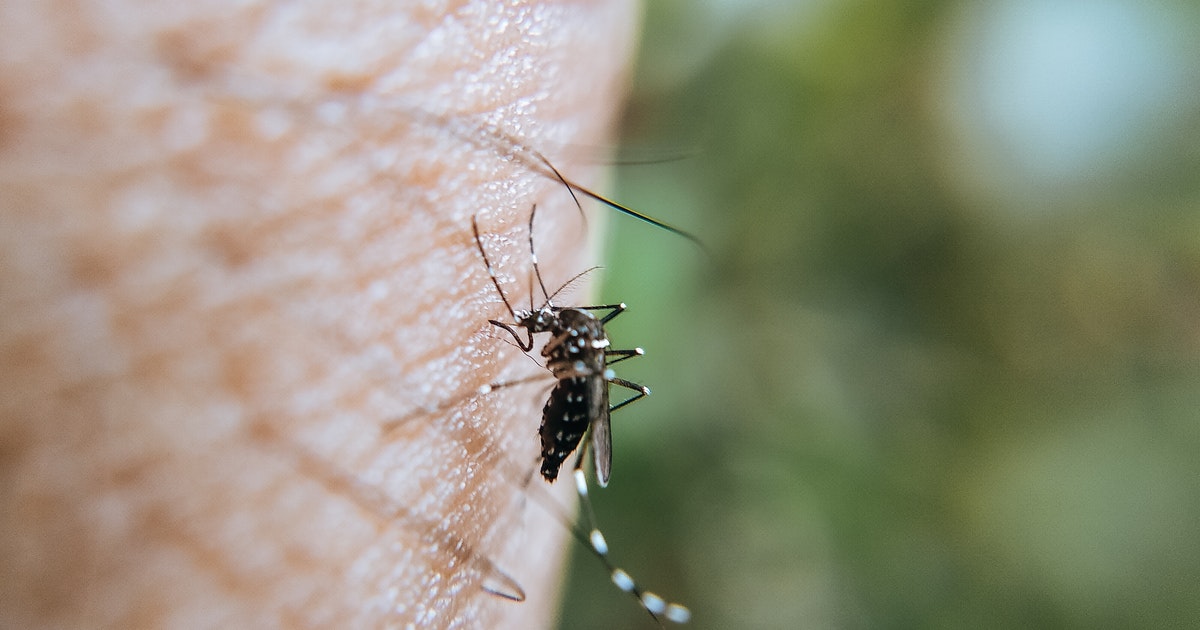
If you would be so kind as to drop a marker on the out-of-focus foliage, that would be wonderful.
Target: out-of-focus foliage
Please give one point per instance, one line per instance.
(941, 365)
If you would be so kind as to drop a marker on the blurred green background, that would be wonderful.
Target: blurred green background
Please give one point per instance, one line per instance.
(941, 366)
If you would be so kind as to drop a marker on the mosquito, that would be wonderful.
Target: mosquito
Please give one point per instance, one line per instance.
(579, 356)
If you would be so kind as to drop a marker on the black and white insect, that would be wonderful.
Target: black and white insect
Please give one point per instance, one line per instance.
(578, 354)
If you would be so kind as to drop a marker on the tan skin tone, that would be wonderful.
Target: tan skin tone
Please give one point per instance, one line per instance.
(224, 270)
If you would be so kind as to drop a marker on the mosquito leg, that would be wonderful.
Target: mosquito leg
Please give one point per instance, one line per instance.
(622, 355)
(658, 607)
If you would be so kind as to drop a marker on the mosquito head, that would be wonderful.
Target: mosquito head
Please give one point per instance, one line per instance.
(536, 321)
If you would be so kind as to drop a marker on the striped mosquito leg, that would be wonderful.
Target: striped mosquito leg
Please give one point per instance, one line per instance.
(483, 390)
(658, 607)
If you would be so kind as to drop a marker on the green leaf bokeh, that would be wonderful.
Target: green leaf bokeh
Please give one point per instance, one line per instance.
(916, 382)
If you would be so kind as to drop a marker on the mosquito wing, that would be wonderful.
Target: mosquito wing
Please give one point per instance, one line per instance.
(601, 435)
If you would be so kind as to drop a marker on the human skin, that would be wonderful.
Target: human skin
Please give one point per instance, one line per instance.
(236, 244)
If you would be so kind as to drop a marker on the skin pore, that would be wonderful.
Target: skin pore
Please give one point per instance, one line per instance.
(236, 243)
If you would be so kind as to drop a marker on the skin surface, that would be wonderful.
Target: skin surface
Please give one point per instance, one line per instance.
(236, 243)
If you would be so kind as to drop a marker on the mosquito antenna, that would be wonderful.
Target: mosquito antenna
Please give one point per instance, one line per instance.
(572, 281)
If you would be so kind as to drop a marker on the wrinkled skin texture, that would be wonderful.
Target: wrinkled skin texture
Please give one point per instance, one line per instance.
(224, 270)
